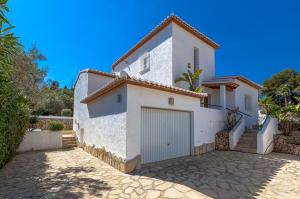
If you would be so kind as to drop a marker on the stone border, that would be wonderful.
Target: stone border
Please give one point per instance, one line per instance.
(222, 140)
(285, 144)
(204, 148)
(119, 163)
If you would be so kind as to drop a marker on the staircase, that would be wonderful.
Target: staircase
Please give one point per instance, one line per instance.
(69, 139)
(248, 142)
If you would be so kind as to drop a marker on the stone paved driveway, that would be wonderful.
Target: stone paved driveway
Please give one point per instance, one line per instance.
(76, 174)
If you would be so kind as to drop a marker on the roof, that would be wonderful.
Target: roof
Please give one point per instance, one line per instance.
(229, 79)
(97, 72)
(161, 26)
(119, 81)
(215, 83)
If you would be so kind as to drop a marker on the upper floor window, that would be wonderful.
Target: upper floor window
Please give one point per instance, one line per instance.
(248, 103)
(145, 63)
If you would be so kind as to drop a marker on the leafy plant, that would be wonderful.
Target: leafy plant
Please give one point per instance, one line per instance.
(14, 109)
(287, 116)
(282, 87)
(66, 112)
(56, 126)
(191, 78)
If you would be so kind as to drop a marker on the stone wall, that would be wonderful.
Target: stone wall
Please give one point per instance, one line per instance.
(43, 122)
(222, 141)
(287, 144)
(204, 148)
(125, 166)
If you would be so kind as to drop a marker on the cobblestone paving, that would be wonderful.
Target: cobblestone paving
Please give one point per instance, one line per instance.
(76, 174)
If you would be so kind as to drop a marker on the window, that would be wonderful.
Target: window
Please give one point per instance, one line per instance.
(145, 63)
(248, 107)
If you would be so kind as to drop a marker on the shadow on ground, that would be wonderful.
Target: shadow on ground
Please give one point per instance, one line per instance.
(220, 174)
(30, 176)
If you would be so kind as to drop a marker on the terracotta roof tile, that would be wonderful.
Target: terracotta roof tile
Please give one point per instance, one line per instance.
(118, 81)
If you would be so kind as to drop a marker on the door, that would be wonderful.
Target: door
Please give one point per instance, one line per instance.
(165, 134)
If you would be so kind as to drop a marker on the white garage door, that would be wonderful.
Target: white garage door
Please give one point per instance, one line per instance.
(165, 134)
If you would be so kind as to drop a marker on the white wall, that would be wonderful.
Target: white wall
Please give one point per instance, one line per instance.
(86, 84)
(240, 92)
(97, 81)
(80, 110)
(205, 124)
(160, 50)
(265, 136)
(106, 123)
(170, 52)
(41, 140)
(104, 120)
(236, 133)
(183, 53)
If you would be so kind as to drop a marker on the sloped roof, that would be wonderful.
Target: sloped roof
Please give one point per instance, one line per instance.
(161, 26)
(97, 72)
(119, 81)
(229, 79)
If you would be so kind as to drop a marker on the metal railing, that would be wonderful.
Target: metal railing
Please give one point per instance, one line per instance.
(239, 113)
(263, 124)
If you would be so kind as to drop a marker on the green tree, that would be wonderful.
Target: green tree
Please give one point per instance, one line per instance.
(191, 78)
(285, 90)
(14, 109)
(30, 74)
(281, 87)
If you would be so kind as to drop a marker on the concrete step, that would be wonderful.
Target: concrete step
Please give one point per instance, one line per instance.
(69, 139)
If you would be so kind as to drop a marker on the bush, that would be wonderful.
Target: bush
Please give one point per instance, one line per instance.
(56, 126)
(66, 112)
(14, 118)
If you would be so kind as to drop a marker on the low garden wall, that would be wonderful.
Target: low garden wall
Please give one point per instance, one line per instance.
(41, 140)
(287, 144)
(43, 122)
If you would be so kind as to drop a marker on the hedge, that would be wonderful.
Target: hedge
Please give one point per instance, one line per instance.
(14, 118)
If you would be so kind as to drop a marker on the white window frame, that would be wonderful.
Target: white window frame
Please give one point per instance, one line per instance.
(248, 103)
(145, 67)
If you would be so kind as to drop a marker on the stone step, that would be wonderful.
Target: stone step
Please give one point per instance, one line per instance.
(69, 140)
(68, 133)
(248, 142)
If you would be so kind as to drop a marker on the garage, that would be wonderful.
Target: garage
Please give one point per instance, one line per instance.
(165, 134)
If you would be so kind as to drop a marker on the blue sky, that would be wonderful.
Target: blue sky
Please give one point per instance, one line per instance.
(257, 38)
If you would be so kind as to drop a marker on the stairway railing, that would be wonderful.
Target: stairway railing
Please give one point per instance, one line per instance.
(239, 113)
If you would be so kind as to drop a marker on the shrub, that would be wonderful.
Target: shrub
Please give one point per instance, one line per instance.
(14, 119)
(66, 112)
(56, 126)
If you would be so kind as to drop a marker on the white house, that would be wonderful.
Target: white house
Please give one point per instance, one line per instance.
(138, 112)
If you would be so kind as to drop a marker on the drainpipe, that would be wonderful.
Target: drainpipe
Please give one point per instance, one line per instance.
(223, 96)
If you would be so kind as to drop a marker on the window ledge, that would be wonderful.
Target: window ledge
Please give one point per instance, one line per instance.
(145, 70)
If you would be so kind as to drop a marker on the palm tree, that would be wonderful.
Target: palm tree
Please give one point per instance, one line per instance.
(191, 78)
(285, 91)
